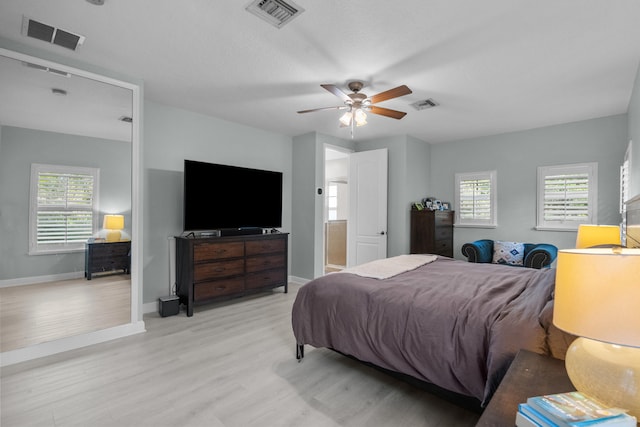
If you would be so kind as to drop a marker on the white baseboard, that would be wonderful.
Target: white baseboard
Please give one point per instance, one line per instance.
(298, 280)
(150, 307)
(41, 279)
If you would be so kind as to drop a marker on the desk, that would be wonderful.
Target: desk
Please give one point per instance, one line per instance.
(530, 374)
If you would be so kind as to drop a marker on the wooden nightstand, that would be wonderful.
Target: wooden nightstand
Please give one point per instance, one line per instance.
(107, 257)
(530, 374)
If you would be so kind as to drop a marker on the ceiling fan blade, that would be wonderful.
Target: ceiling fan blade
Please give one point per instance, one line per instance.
(340, 107)
(337, 92)
(391, 93)
(394, 114)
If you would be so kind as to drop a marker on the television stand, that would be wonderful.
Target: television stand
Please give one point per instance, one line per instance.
(218, 268)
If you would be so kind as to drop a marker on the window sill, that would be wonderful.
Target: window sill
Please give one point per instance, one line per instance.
(554, 229)
(475, 225)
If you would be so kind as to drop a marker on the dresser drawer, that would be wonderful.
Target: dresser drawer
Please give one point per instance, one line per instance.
(205, 290)
(217, 250)
(443, 233)
(443, 218)
(264, 246)
(111, 249)
(216, 270)
(260, 263)
(266, 278)
(443, 247)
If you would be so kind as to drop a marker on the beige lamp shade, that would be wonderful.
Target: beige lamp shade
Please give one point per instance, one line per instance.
(113, 224)
(597, 294)
(592, 235)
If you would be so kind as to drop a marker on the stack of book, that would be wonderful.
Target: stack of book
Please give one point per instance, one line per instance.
(573, 409)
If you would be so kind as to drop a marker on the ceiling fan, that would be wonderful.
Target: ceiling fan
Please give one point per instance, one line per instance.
(357, 103)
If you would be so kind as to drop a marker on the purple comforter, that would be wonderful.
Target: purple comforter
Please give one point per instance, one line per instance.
(452, 323)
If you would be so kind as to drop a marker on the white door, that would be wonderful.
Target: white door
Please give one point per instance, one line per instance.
(367, 225)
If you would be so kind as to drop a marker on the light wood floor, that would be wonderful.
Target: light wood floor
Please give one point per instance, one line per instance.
(231, 364)
(33, 314)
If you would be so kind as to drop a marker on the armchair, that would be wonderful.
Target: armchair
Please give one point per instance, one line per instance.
(539, 255)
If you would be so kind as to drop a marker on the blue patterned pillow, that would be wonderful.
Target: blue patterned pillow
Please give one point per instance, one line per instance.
(511, 253)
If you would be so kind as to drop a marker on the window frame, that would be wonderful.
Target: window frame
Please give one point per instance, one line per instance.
(36, 170)
(588, 168)
(492, 221)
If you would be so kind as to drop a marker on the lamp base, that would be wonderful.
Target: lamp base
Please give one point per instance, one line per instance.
(113, 236)
(607, 372)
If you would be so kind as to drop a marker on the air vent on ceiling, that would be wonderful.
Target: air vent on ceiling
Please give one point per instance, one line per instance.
(424, 104)
(275, 12)
(50, 34)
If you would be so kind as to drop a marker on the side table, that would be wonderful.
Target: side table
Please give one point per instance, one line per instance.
(107, 256)
(530, 374)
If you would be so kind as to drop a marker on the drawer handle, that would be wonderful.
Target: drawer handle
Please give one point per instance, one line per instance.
(219, 270)
(220, 288)
(221, 251)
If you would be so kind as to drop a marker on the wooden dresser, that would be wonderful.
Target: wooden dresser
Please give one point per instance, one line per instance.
(210, 269)
(432, 232)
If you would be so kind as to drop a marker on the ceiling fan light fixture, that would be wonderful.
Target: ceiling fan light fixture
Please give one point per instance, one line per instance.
(346, 118)
(360, 117)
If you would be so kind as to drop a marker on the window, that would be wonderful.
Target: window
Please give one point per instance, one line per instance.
(476, 199)
(63, 208)
(332, 201)
(567, 196)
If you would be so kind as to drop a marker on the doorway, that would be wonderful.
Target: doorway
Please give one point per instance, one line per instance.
(336, 208)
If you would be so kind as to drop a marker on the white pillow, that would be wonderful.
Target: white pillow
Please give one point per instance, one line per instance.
(511, 253)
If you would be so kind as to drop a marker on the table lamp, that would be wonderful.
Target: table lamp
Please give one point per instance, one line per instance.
(597, 298)
(592, 235)
(113, 224)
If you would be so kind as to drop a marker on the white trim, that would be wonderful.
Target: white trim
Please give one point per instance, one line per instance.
(298, 280)
(7, 283)
(70, 343)
(150, 307)
(137, 324)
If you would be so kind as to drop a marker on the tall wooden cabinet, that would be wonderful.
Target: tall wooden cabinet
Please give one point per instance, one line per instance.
(432, 232)
(209, 269)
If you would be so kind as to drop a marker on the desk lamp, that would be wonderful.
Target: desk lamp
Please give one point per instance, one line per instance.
(113, 224)
(597, 298)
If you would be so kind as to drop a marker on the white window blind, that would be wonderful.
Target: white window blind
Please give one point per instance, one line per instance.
(475, 196)
(567, 196)
(624, 180)
(63, 201)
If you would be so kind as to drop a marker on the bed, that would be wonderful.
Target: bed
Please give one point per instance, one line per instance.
(450, 323)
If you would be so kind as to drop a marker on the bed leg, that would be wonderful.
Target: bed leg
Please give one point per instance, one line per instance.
(299, 352)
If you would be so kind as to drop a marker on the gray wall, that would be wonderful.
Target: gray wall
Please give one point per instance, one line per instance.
(22, 147)
(515, 156)
(172, 135)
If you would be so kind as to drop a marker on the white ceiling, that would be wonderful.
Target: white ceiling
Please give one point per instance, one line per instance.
(493, 66)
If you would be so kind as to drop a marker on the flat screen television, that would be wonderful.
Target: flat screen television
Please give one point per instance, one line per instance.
(230, 197)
